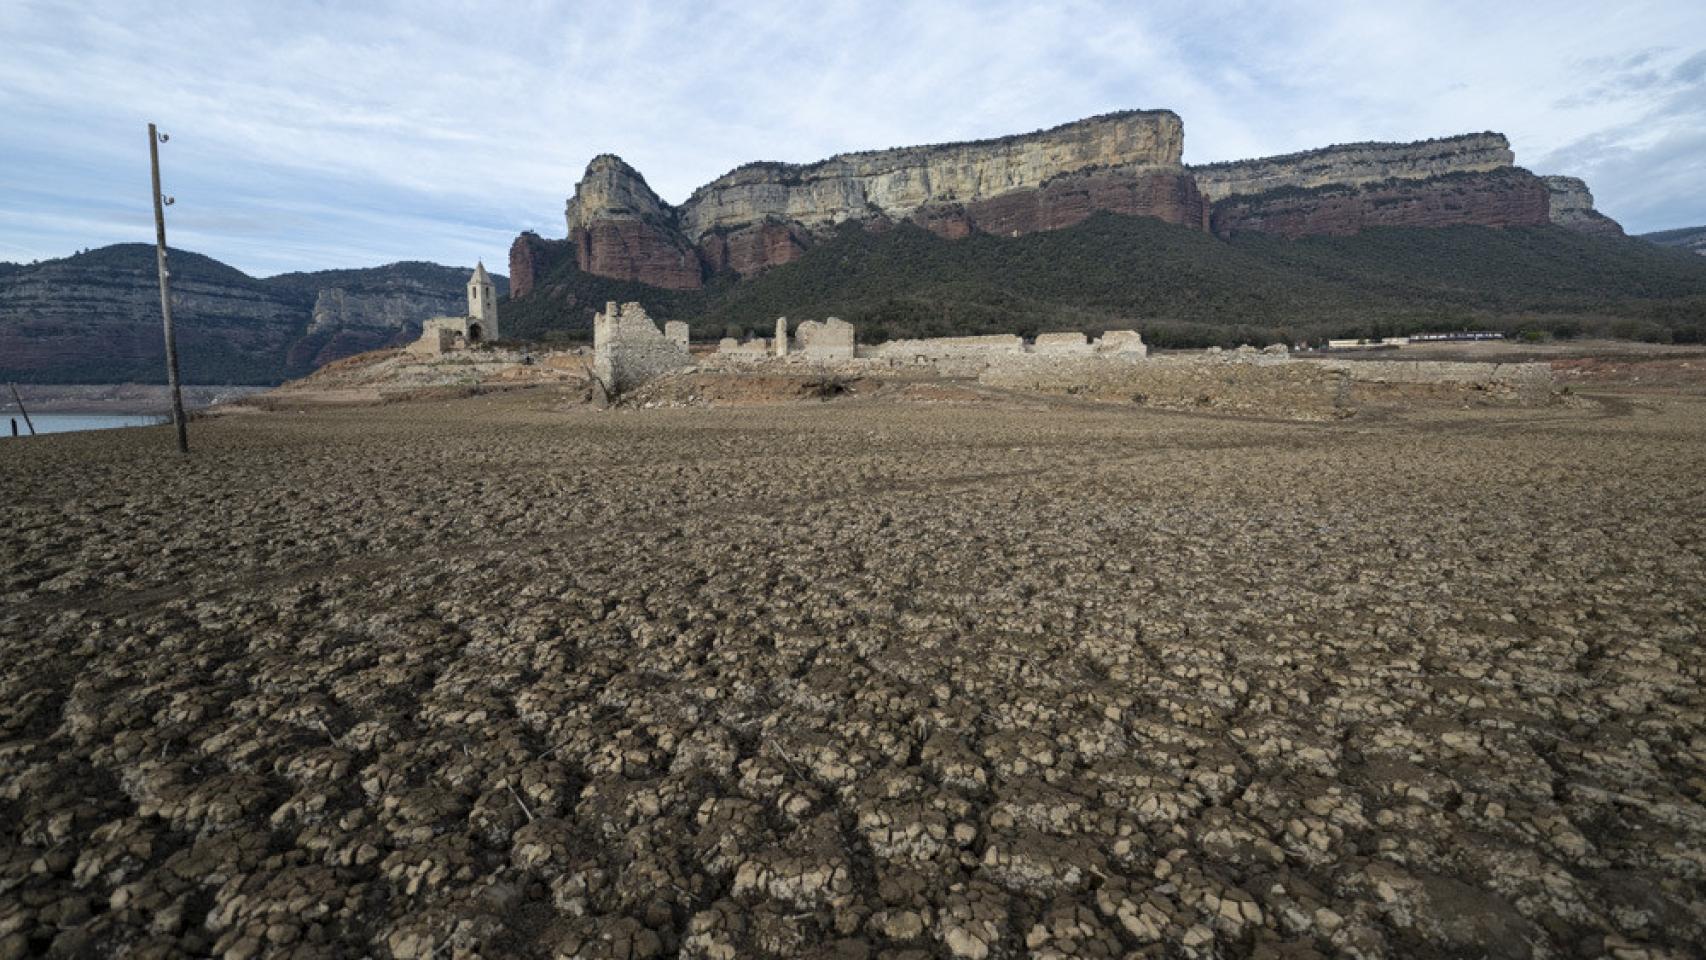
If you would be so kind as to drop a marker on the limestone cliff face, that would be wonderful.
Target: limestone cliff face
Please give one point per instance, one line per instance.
(1501, 198)
(381, 312)
(612, 190)
(1070, 200)
(621, 229)
(348, 320)
(765, 214)
(897, 183)
(1571, 205)
(1356, 163)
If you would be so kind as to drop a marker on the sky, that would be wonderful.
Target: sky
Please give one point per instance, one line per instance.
(314, 135)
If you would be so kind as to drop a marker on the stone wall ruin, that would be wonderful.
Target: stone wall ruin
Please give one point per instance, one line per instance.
(834, 341)
(629, 349)
(753, 348)
(1117, 364)
(829, 340)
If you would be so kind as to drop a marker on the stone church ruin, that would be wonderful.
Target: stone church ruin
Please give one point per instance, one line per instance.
(441, 335)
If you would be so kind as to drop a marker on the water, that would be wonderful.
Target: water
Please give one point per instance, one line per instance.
(72, 422)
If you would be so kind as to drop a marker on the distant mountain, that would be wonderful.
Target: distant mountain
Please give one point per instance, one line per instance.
(1692, 239)
(95, 317)
(1179, 286)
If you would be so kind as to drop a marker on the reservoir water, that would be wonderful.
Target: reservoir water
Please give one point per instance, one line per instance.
(72, 422)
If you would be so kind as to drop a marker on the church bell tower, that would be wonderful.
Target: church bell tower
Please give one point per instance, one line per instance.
(482, 305)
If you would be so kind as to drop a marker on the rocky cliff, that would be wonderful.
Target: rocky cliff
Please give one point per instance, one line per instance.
(621, 229)
(1446, 181)
(1510, 197)
(1571, 205)
(765, 214)
(530, 259)
(898, 183)
(358, 310)
(1342, 190)
(95, 317)
(1353, 164)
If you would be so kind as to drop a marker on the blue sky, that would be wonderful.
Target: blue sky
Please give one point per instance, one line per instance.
(309, 135)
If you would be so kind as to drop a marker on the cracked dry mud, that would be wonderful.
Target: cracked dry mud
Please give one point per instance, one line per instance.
(488, 678)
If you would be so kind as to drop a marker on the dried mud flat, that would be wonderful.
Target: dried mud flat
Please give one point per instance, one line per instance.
(494, 678)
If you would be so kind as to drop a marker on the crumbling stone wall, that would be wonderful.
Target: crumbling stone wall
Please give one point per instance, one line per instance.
(1123, 342)
(629, 349)
(1061, 344)
(829, 340)
(754, 348)
(441, 335)
(947, 347)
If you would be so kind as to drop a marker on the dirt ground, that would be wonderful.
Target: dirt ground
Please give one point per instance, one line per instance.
(503, 675)
(1619, 365)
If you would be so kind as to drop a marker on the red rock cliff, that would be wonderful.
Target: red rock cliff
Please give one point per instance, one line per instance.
(1171, 197)
(531, 257)
(766, 214)
(753, 249)
(620, 229)
(1505, 198)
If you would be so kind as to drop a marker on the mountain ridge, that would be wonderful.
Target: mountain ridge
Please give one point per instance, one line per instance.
(94, 316)
(1692, 239)
(1179, 286)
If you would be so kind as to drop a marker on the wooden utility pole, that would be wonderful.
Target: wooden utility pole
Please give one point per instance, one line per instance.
(26, 413)
(154, 139)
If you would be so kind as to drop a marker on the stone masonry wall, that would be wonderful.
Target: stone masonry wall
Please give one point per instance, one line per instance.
(946, 347)
(629, 349)
(757, 348)
(829, 340)
(1061, 344)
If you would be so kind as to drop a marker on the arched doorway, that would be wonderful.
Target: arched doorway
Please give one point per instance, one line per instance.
(474, 333)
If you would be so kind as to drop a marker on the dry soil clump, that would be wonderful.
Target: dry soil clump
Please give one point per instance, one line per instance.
(484, 678)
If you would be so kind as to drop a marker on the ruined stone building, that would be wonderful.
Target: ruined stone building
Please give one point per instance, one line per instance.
(482, 305)
(629, 349)
(441, 335)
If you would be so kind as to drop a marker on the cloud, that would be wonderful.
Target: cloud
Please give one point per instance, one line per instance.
(311, 134)
(1692, 70)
